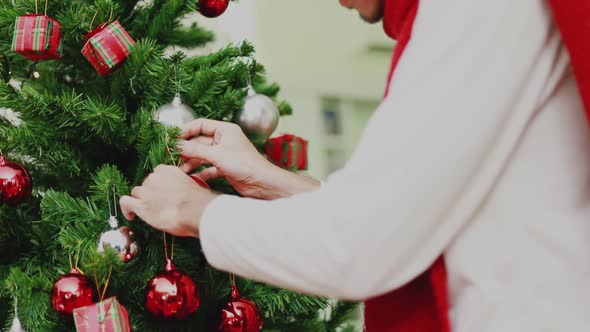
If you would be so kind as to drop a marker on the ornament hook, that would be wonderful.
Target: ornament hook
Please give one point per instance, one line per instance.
(171, 257)
(16, 302)
(113, 222)
(16, 324)
(114, 214)
(177, 81)
(37, 7)
(93, 18)
(167, 143)
(251, 91)
(96, 14)
(74, 267)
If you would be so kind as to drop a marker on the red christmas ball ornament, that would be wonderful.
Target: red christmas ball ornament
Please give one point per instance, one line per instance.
(212, 8)
(15, 183)
(240, 315)
(172, 294)
(71, 291)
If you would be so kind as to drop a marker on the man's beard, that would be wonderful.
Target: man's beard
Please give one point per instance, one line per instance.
(372, 20)
(376, 18)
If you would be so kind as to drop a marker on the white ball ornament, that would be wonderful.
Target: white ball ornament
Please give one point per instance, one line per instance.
(175, 114)
(259, 118)
(119, 239)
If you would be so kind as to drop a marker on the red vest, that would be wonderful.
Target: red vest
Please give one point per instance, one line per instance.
(422, 304)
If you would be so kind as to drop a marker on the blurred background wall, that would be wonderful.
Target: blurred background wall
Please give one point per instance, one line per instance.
(331, 66)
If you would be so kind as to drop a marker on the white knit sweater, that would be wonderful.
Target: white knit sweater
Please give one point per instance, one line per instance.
(481, 152)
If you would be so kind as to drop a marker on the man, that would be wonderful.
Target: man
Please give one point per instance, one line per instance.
(480, 154)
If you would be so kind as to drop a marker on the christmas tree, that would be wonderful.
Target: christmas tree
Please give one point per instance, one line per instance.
(83, 126)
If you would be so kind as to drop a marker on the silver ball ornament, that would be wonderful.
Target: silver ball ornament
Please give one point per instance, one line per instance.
(175, 114)
(119, 239)
(259, 118)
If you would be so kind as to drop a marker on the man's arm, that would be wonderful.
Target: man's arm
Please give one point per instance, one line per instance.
(280, 183)
(426, 161)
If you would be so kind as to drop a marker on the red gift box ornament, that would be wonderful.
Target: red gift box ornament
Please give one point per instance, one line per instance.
(287, 151)
(106, 316)
(37, 37)
(107, 47)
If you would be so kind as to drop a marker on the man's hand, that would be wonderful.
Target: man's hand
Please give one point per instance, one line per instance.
(224, 145)
(170, 201)
(232, 156)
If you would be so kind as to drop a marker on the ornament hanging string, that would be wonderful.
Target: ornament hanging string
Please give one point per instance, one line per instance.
(176, 79)
(172, 249)
(248, 78)
(112, 214)
(106, 284)
(177, 164)
(37, 7)
(75, 265)
(16, 324)
(232, 279)
(105, 23)
(171, 257)
(93, 18)
(175, 161)
(15, 301)
(78, 250)
(114, 207)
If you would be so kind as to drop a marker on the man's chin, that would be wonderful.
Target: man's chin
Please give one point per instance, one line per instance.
(372, 19)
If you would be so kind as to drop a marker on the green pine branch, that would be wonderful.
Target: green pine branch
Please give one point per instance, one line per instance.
(87, 139)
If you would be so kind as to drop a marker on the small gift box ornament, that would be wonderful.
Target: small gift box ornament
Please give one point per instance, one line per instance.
(106, 316)
(107, 47)
(37, 37)
(287, 151)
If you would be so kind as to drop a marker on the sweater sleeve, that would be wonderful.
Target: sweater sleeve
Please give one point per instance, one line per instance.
(413, 182)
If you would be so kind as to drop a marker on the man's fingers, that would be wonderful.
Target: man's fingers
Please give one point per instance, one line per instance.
(137, 192)
(210, 173)
(191, 165)
(161, 169)
(201, 127)
(205, 140)
(193, 149)
(129, 207)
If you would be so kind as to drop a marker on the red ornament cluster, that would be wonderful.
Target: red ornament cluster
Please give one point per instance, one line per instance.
(240, 315)
(15, 183)
(105, 316)
(71, 291)
(107, 47)
(37, 37)
(288, 152)
(172, 294)
(212, 8)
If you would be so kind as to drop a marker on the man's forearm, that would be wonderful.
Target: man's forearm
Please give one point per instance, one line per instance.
(281, 183)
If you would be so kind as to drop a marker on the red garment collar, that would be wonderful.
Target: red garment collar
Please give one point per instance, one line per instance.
(573, 20)
(396, 14)
(422, 304)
